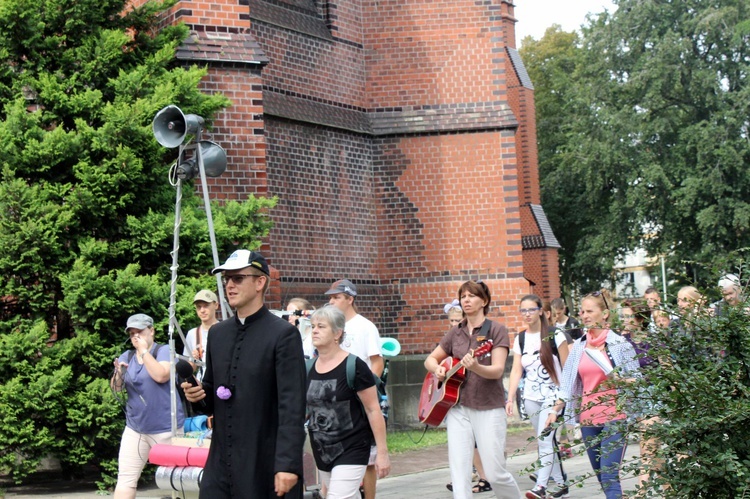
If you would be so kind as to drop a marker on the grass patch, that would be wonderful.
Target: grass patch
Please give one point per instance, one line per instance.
(405, 440)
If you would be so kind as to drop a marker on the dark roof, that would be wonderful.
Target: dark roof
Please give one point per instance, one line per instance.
(443, 118)
(221, 47)
(523, 75)
(300, 109)
(548, 237)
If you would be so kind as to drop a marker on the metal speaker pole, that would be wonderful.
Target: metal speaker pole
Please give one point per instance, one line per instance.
(214, 156)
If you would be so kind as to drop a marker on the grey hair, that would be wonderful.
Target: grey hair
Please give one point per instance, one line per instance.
(728, 281)
(333, 316)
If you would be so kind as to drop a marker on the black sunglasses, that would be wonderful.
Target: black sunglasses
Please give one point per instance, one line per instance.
(237, 278)
(599, 293)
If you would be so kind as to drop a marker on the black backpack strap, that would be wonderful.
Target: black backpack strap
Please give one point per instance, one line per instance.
(521, 340)
(309, 363)
(553, 344)
(351, 370)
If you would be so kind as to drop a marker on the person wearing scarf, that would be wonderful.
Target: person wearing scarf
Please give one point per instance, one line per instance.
(598, 356)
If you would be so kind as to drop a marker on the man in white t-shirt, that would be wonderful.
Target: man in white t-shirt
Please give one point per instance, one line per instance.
(361, 338)
(206, 304)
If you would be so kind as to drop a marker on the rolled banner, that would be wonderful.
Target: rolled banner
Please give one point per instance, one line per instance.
(179, 478)
(389, 347)
(178, 455)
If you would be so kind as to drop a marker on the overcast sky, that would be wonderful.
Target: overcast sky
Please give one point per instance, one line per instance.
(535, 16)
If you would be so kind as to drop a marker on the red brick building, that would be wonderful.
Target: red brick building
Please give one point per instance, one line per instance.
(400, 139)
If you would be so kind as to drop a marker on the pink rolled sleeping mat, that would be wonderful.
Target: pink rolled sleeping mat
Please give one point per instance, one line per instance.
(178, 455)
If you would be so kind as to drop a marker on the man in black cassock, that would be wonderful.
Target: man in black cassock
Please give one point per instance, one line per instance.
(254, 385)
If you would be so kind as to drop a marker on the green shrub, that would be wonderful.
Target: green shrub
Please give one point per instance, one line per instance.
(87, 218)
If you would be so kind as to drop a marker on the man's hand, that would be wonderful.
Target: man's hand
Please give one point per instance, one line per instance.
(198, 353)
(283, 482)
(193, 393)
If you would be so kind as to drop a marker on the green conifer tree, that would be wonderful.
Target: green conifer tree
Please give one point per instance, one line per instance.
(87, 217)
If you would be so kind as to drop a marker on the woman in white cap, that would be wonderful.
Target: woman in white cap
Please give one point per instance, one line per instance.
(206, 304)
(143, 372)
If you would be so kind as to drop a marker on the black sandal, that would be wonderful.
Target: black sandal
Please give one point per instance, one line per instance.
(481, 486)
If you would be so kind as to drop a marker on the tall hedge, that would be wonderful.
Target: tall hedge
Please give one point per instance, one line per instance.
(87, 215)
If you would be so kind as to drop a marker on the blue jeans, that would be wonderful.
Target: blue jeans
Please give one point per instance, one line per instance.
(605, 448)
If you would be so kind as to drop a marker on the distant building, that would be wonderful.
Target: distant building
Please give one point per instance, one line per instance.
(400, 139)
(633, 274)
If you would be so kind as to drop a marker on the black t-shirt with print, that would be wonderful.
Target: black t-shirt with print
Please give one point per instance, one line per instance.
(339, 430)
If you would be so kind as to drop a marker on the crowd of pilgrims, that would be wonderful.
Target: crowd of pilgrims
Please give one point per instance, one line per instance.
(563, 380)
(560, 381)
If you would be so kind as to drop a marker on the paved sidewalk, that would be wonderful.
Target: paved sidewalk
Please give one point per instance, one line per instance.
(423, 474)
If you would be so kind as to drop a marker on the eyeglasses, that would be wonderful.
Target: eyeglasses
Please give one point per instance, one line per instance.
(237, 278)
(527, 311)
(599, 293)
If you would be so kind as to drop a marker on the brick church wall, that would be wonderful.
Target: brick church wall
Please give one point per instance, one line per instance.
(447, 214)
(388, 132)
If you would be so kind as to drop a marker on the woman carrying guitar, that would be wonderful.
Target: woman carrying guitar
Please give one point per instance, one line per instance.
(479, 414)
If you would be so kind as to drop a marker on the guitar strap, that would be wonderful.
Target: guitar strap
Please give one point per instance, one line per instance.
(485, 328)
(482, 333)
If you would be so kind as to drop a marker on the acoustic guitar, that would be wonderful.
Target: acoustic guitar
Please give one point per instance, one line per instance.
(439, 396)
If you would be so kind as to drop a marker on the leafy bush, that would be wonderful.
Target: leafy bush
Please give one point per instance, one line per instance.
(87, 217)
(701, 392)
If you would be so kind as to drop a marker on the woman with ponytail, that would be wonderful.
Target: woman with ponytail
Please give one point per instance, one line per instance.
(596, 358)
(539, 354)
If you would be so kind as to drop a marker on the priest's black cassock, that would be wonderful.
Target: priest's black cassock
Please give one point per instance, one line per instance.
(259, 430)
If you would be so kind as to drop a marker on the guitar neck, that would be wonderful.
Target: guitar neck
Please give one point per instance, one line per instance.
(485, 348)
(453, 370)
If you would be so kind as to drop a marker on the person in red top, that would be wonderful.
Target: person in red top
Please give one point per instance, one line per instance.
(479, 415)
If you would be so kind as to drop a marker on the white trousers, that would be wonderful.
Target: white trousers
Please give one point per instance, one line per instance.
(550, 462)
(134, 449)
(487, 428)
(343, 481)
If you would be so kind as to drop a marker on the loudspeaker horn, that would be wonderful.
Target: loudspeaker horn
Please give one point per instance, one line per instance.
(390, 347)
(214, 162)
(171, 126)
